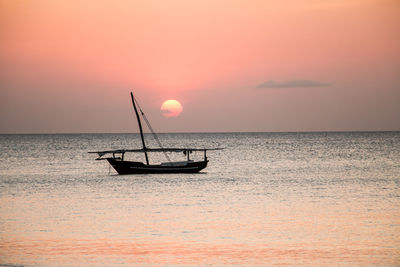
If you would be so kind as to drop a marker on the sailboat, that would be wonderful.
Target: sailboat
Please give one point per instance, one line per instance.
(122, 166)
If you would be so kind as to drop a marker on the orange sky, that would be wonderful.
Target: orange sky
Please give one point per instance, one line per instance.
(68, 66)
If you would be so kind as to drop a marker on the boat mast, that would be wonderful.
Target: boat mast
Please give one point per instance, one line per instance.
(140, 128)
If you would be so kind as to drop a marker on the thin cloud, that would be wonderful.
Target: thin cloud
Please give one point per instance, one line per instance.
(292, 84)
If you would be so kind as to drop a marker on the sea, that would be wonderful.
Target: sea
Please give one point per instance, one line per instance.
(266, 199)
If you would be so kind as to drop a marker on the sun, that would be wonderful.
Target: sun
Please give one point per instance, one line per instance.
(171, 108)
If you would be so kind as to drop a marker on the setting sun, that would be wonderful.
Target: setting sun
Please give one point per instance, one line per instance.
(171, 108)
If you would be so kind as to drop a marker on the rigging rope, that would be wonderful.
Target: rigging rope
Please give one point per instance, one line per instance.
(152, 131)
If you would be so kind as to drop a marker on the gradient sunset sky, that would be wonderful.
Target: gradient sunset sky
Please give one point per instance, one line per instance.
(290, 65)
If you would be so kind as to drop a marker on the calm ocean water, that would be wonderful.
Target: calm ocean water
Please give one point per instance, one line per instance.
(267, 199)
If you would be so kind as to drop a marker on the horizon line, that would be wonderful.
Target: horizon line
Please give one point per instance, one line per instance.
(211, 132)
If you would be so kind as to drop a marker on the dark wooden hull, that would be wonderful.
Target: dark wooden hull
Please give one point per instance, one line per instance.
(133, 167)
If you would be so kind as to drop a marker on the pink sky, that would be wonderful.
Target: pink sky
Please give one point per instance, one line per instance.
(293, 65)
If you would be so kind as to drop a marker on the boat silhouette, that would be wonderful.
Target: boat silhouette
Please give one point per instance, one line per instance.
(122, 166)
